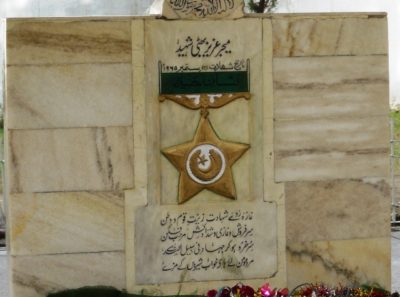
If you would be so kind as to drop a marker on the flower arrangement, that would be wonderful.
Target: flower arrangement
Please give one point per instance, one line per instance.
(305, 290)
(240, 290)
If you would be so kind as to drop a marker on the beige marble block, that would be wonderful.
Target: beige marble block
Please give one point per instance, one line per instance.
(323, 72)
(330, 36)
(331, 148)
(85, 159)
(353, 135)
(336, 100)
(55, 223)
(67, 42)
(336, 210)
(346, 262)
(323, 87)
(36, 276)
(95, 95)
(327, 165)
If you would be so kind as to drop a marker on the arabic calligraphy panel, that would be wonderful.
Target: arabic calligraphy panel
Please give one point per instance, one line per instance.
(198, 9)
(204, 243)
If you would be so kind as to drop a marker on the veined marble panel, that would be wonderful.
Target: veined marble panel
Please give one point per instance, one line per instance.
(55, 223)
(342, 100)
(339, 209)
(326, 165)
(331, 149)
(356, 135)
(36, 276)
(95, 95)
(310, 87)
(346, 262)
(324, 72)
(67, 42)
(329, 36)
(85, 159)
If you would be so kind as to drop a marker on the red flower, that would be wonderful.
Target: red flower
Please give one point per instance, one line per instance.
(212, 293)
(246, 291)
(283, 292)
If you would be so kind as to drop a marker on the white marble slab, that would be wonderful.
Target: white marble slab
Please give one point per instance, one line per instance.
(310, 145)
(55, 223)
(344, 209)
(297, 36)
(67, 42)
(357, 135)
(328, 165)
(345, 100)
(85, 95)
(323, 72)
(331, 148)
(205, 242)
(345, 262)
(36, 276)
(84, 159)
(324, 87)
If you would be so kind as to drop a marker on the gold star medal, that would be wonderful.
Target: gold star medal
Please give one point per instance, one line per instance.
(205, 163)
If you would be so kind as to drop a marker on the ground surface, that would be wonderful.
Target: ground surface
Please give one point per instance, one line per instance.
(3, 275)
(4, 290)
(395, 261)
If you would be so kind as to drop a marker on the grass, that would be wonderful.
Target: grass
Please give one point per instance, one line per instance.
(395, 115)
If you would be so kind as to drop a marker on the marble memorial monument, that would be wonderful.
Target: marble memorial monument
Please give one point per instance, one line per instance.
(196, 148)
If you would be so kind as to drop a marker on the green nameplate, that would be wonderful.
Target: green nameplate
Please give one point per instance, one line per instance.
(204, 82)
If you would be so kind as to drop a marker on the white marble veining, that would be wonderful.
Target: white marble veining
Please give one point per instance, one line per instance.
(310, 145)
(325, 87)
(55, 223)
(296, 36)
(346, 262)
(36, 276)
(337, 210)
(83, 159)
(325, 72)
(67, 96)
(68, 42)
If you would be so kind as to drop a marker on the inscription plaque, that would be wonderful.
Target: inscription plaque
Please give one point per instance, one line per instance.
(202, 243)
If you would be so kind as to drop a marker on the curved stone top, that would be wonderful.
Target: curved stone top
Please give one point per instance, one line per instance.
(198, 9)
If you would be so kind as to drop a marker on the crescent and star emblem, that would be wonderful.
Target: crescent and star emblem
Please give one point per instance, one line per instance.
(205, 163)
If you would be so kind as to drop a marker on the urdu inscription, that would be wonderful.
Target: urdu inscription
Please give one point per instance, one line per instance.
(205, 242)
(203, 47)
(215, 240)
